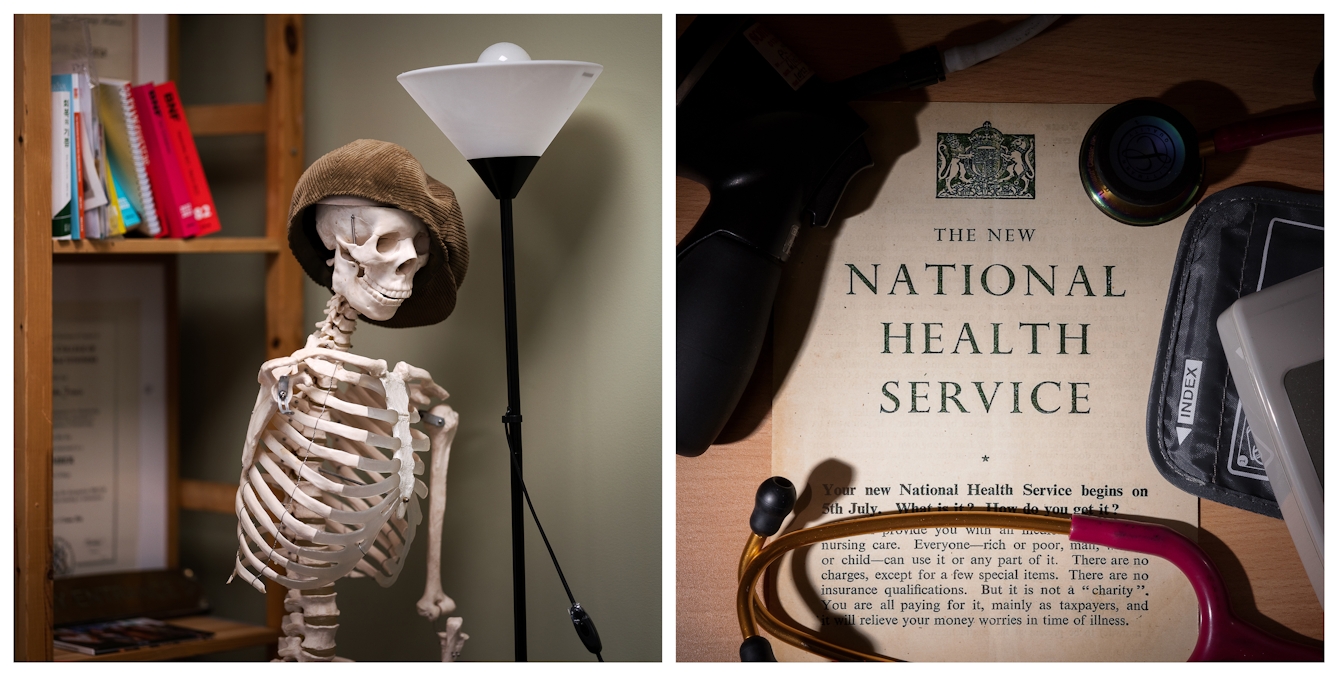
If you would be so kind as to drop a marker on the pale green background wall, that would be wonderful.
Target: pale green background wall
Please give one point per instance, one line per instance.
(588, 259)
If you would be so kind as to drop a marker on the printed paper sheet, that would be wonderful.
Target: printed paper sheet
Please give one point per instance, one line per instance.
(974, 332)
(109, 421)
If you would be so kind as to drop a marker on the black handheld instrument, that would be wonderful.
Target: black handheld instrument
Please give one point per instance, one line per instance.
(776, 147)
(776, 151)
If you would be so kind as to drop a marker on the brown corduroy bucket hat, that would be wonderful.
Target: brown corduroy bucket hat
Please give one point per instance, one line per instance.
(386, 173)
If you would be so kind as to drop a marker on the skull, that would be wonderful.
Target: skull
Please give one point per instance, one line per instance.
(377, 252)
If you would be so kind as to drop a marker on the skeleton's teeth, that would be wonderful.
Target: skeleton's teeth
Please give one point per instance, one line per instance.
(395, 297)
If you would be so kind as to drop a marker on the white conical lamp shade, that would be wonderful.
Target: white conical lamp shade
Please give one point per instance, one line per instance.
(503, 106)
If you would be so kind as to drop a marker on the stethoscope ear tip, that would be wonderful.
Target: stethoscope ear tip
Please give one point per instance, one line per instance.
(775, 499)
(756, 649)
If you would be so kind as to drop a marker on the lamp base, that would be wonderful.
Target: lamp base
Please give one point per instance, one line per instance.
(504, 175)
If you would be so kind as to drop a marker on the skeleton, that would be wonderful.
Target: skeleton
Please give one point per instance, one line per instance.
(328, 486)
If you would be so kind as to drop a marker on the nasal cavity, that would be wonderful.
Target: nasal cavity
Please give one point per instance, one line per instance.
(406, 267)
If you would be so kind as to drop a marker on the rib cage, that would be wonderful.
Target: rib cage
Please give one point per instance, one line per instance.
(327, 487)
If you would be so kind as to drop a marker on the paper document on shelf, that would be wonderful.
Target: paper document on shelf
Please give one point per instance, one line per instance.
(977, 334)
(109, 455)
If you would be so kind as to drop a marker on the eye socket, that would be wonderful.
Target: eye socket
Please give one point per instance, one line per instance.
(386, 243)
(420, 243)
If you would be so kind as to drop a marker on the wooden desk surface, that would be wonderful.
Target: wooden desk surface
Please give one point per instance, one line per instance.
(1215, 69)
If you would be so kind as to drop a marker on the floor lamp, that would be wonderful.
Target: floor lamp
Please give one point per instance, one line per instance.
(501, 113)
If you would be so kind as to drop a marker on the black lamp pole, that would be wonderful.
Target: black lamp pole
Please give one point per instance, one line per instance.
(504, 176)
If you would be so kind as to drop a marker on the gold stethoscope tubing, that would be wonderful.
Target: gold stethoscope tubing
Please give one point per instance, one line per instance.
(756, 558)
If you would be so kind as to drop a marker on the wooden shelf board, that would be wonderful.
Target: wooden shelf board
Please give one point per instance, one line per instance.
(228, 635)
(168, 246)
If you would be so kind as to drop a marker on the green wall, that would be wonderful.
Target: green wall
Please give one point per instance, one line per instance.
(588, 243)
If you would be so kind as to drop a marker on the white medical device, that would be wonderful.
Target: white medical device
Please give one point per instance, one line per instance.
(1274, 342)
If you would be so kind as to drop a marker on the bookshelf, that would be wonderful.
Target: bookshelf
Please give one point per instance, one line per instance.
(280, 119)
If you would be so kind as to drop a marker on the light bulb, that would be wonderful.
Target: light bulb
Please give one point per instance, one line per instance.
(503, 52)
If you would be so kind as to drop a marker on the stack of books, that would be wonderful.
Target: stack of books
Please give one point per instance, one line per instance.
(110, 637)
(124, 162)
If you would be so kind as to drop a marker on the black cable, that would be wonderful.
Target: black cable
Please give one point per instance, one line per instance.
(585, 627)
(516, 469)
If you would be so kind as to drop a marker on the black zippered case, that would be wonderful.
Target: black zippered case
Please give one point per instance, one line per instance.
(1237, 241)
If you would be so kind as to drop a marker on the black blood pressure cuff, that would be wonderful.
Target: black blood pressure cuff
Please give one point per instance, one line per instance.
(1238, 241)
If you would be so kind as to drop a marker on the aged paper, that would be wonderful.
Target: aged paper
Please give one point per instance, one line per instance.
(95, 453)
(976, 334)
(109, 453)
(113, 44)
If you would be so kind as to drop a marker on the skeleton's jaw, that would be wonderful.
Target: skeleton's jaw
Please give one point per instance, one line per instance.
(375, 302)
(400, 292)
(371, 300)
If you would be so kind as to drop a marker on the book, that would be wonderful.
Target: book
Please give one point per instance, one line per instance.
(64, 167)
(971, 331)
(118, 208)
(115, 222)
(171, 197)
(109, 637)
(90, 143)
(183, 146)
(127, 155)
(124, 216)
(76, 103)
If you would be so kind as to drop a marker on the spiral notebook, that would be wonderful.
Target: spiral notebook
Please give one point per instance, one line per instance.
(127, 154)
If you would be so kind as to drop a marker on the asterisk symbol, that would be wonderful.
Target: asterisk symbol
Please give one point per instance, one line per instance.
(984, 458)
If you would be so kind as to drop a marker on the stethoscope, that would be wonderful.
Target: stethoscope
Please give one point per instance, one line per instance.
(1141, 162)
(1222, 635)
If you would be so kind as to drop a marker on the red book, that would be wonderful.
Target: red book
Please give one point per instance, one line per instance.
(79, 171)
(183, 145)
(169, 186)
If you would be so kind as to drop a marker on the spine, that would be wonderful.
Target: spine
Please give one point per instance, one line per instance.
(76, 186)
(164, 172)
(61, 130)
(90, 149)
(140, 156)
(183, 146)
(77, 227)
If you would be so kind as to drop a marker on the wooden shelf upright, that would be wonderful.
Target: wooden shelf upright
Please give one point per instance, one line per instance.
(280, 119)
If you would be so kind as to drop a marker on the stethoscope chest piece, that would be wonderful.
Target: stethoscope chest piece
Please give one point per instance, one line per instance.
(1140, 163)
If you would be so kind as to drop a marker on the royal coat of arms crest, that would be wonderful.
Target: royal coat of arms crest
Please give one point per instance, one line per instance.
(986, 164)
